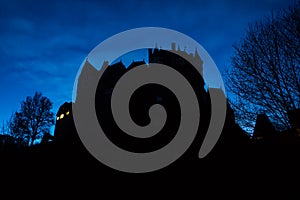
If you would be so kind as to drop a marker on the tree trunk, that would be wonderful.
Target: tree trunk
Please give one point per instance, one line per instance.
(32, 140)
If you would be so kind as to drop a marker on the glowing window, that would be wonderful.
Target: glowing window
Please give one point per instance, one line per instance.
(67, 113)
(61, 116)
(57, 118)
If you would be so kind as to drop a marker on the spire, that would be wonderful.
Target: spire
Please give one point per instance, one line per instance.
(173, 46)
(105, 63)
(198, 60)
(155, 48)
(178, 48)
(197, 54)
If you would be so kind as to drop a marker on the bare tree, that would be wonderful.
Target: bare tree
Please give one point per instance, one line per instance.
(33, 120)
(265, 75)
(17, 128)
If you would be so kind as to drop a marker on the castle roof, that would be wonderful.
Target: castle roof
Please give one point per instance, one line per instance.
(135, 64)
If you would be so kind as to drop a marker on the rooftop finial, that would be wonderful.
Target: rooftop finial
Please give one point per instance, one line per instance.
(173, 46)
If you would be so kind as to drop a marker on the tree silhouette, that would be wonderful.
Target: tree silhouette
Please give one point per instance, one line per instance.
(3, 129)
(264, 77)
(17, 128)
(33, 120)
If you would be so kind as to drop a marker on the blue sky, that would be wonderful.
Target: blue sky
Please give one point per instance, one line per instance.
(43, 43)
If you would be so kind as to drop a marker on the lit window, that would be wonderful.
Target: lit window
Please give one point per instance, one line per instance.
(57, 118)
(61, 116)
(67, 113)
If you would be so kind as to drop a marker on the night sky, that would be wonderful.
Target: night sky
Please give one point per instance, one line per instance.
(43, 43)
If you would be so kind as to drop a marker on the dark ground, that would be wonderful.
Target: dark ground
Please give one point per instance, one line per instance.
(230, 170)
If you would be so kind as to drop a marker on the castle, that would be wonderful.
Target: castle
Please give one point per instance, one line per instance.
(142, 100)
(147, 97)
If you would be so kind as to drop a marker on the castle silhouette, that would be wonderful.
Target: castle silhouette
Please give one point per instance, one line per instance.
(143, 99)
